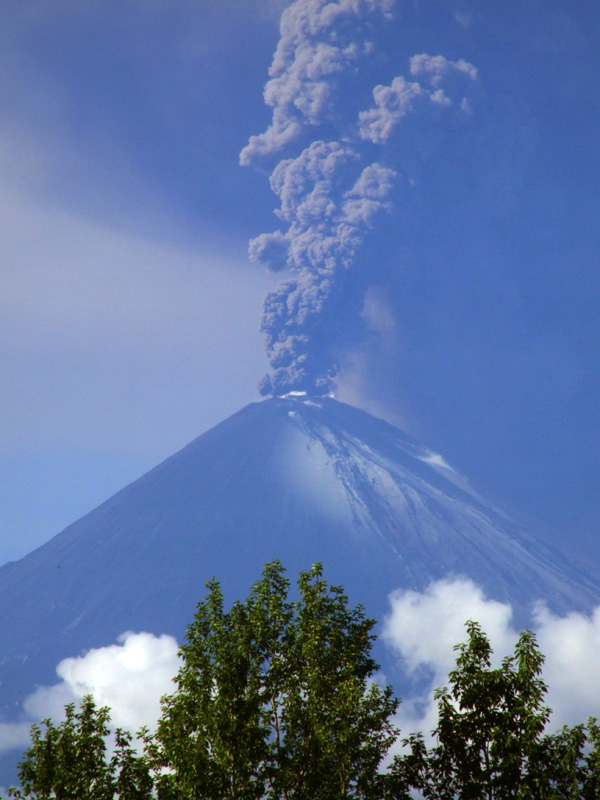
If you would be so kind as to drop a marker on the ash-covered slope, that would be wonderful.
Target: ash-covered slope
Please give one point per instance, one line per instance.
(294, 478)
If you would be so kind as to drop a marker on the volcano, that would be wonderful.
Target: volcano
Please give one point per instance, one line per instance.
(298, 478)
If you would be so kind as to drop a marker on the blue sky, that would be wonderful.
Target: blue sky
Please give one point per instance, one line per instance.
(457, 216)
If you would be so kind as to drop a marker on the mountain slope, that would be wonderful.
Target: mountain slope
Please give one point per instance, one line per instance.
(294, 478)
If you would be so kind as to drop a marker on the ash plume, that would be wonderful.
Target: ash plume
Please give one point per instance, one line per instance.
(339, 155)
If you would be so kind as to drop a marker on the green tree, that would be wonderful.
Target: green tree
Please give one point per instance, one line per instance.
(491, 743)
(274, 699)
(70, 761)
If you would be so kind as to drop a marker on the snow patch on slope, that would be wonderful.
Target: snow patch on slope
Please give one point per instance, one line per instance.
(396, 491)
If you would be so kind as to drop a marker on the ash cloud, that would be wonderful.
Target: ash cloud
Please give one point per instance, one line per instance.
(338, 171)
(438, 85)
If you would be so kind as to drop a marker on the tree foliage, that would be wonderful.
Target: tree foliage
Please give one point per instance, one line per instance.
(276, 700)
(273, 699)
(71, 761)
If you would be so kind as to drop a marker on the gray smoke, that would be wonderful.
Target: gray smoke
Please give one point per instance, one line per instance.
(338, 169)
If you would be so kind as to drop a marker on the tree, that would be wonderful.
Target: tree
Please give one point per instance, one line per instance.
(70, 761)
(274, 699)
(490, 734)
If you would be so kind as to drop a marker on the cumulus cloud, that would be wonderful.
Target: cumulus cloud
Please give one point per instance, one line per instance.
(332, 191)
(572, 648)
(423, 627)
(130, 677)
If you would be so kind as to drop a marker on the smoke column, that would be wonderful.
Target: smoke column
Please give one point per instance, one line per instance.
(338, 168)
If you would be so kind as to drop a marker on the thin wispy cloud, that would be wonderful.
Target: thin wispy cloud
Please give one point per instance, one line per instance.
(102, 308)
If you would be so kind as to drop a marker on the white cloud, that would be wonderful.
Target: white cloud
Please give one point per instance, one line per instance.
(130, 677)
(572, 648)
(423, 628)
